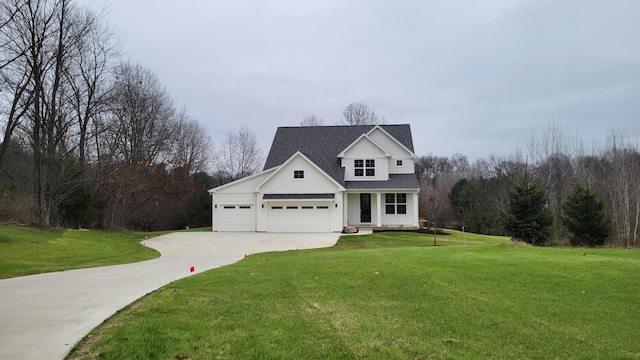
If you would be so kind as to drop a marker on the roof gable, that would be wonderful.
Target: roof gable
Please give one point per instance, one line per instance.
(393, 140)
(246, 182)
(362, 138)
(294, 157)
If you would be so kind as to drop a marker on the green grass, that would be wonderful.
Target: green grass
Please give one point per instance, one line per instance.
(26, 251)
(388, 296)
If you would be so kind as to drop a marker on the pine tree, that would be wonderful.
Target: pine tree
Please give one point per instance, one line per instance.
(585, 218)
(528, 218)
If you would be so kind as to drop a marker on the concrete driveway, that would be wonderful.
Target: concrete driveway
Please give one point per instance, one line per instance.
(43, 316)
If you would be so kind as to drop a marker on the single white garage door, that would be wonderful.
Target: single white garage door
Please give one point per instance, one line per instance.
(300, 217)
(236, 218)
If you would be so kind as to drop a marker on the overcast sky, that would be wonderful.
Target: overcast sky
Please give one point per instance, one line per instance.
(471, 77)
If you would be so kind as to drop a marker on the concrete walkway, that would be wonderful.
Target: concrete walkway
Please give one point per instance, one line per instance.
(43, 316)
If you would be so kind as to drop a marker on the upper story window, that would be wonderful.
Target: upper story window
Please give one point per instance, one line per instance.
(398, 162)
(364, 167)
(298, 174)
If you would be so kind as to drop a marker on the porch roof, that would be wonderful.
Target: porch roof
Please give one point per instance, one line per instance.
(396, 181)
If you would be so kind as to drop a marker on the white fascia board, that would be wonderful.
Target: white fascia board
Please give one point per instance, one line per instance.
(298, 153)
(216, 189)
(386, 153)
(378, 127)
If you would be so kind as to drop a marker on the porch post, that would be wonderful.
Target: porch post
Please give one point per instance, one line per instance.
(345, 209)
(416, 211)
(378, 210)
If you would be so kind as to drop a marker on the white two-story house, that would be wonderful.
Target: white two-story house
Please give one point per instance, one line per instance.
(324, 178)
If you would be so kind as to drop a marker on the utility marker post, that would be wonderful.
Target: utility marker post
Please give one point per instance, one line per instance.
(434, 233)
(464, 237)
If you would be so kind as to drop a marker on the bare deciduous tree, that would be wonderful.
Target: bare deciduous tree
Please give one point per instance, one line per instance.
(43, 38)
(142, 117)
(239, 155)
(360, 114)
(90, 78)
(192, 144)
(311, 120)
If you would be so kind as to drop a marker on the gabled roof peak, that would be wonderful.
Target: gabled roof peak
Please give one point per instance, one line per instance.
(363, 136)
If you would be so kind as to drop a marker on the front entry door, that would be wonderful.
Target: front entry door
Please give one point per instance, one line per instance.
(365, 208)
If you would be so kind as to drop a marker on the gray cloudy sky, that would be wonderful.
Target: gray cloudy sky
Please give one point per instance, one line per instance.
(471, 77)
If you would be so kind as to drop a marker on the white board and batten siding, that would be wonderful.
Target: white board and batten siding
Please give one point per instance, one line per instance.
(364, 149)
(283, 182)
(397, 153)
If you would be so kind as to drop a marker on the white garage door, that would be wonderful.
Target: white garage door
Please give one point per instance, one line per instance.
(304, 217)
(236, 218)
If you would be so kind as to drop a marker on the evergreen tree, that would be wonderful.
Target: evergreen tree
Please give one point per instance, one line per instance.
(528, 218)
(585, 218)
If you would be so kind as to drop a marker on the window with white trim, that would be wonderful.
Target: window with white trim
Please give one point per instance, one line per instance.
(364, 167)
(395, 203)
(398, 162)
(298, 174)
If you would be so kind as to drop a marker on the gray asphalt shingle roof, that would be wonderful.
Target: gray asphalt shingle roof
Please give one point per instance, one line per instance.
(322, 144)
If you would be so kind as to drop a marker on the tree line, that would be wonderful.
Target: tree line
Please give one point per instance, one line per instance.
(92, 140)
(478, 196)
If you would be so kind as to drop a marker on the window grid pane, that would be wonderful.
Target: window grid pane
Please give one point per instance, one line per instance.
(371, 172)
(390, 209)
(358, 163)
(402, 198)
(402, 209)
(389, 198)
(371, 163)
(359, 172)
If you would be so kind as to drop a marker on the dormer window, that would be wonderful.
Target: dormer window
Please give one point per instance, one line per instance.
(398, 162)
(298, 174)
(364, 167)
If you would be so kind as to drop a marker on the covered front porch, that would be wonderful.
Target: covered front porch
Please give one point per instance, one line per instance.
(381, 209)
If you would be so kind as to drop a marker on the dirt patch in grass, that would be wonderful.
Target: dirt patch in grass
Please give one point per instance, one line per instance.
(82, 350)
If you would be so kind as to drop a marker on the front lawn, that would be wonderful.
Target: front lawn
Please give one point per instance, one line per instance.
(390, 296)
(26, 251)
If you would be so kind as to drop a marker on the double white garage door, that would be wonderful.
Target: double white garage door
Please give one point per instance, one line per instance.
(285, 217)
(300, 217)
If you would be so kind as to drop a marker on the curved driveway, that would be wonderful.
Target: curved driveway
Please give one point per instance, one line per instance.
(43, 316)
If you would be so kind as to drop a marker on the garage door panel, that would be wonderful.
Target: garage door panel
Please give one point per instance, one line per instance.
(236, 217)
(301, 217)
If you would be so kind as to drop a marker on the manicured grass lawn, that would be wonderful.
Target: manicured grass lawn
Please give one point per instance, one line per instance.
(388, 296)
(26, 251)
